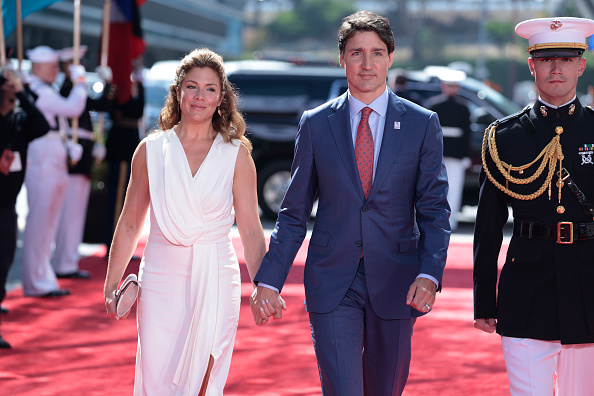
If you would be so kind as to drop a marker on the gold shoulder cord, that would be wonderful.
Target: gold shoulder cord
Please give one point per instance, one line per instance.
(549, 155)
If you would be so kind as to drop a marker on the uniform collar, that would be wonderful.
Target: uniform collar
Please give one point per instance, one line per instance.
(552, 113)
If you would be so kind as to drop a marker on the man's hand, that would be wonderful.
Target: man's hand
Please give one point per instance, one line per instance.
(421, 295)
(486, 325)
(266, 302)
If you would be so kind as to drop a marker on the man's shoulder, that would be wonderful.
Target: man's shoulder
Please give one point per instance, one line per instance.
(511, 120)
(329, 107)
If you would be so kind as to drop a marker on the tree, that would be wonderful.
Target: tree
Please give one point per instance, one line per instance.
(309, 19)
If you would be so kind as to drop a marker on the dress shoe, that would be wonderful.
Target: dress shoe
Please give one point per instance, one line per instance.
(57, 293)
(4, 344)
(3, 310)
(80, 274)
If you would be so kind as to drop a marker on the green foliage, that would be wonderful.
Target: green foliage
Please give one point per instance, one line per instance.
(317, 19)
(500, 31)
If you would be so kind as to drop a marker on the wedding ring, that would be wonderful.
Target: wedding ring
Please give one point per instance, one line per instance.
(427, 305)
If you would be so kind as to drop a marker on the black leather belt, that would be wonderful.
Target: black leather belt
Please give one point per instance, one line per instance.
(564, 232)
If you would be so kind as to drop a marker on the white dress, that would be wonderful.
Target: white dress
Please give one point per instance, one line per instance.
(190, 295)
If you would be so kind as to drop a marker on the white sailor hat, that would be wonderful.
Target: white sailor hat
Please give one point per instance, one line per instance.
(446, 75)
(42, 54)
(67, 54)
(556, 37)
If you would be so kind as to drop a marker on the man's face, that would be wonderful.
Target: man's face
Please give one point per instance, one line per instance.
(46, 71)
(556, 78)
(366, 62)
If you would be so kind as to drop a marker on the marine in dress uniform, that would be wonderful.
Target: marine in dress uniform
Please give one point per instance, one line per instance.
(74, 211)
(541, 163)
(454, 118)
(18, 127)
(47, 170)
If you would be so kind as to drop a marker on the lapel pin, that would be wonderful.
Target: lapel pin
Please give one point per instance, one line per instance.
(396, 124)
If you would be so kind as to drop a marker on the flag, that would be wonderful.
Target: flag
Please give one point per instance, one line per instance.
(125, 44)
(27, 7)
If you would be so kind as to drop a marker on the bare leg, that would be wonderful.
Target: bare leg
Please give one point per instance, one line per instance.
(206, 377)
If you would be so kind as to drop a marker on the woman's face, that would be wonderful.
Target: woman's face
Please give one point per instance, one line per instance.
(199, 95)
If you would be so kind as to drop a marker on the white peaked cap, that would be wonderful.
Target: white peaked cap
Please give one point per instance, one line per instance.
(67, 54)
(42, 54)
(556, 33)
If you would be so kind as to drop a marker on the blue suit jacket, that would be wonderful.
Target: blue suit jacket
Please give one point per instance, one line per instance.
(402, 228)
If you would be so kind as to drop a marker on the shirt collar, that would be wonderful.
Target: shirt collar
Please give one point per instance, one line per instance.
(555, 107)
(379, 105)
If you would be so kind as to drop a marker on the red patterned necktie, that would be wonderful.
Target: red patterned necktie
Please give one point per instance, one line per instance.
(364, 151)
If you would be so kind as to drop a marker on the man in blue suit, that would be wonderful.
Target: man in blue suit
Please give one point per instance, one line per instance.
(378, 247)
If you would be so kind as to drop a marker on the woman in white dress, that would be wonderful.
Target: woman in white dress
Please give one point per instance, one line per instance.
(191, 174)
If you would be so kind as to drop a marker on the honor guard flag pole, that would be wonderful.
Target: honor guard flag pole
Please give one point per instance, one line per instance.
(76, 62)
(19, 29)
(2, 41)
(103, 61)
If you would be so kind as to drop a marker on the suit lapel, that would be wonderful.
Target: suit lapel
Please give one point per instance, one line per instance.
(340, 126)
(391, 142)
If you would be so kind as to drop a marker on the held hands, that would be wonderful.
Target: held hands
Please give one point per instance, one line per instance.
(421, 294)
(266, 302)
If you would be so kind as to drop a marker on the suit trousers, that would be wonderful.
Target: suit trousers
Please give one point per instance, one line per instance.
(72, 224)
(359, 353)
(536, 367)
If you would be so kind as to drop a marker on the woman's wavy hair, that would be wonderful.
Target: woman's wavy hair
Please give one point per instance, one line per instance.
(227, 121)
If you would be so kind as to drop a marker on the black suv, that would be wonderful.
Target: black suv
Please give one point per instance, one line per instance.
(485, 106)
(272, 97)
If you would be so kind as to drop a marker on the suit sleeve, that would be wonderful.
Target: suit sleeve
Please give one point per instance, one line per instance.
(432, 209)
(295, 212)
(491, 217)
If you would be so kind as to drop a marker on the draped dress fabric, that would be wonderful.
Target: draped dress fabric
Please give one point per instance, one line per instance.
(190, 295)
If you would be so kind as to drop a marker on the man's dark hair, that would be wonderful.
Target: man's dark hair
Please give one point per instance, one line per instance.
(365, 21)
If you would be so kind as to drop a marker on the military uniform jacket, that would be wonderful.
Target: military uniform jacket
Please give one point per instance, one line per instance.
(546, 289)
(454, 118)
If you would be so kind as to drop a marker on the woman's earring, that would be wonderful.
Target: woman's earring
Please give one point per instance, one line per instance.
(219, 111)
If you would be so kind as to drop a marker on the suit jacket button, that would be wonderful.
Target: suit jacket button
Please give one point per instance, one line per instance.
(365, 208)
(358, 244)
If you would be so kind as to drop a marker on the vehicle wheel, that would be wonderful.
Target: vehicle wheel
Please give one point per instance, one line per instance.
(273, 181)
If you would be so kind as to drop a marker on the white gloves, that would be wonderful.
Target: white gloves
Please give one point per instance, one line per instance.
(137, 76)
(25, 77)
(104, 73)
(77, 73)
(466, 162)
(75, 151)
(99, 151)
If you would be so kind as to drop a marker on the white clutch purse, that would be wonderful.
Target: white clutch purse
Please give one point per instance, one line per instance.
(126, 295)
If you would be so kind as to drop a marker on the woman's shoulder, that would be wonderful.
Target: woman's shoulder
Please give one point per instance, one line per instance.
(158, 134)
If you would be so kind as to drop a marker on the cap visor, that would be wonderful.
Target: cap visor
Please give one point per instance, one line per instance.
(557, 53)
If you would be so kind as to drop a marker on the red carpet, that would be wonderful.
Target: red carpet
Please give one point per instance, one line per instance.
(67, 346)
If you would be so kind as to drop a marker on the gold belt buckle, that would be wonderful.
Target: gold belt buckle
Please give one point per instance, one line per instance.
(563, 239)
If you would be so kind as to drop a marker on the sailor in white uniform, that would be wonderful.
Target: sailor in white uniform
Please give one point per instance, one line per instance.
(74, 211)
(47, 172)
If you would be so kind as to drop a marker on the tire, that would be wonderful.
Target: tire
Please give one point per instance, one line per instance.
(273, 181)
